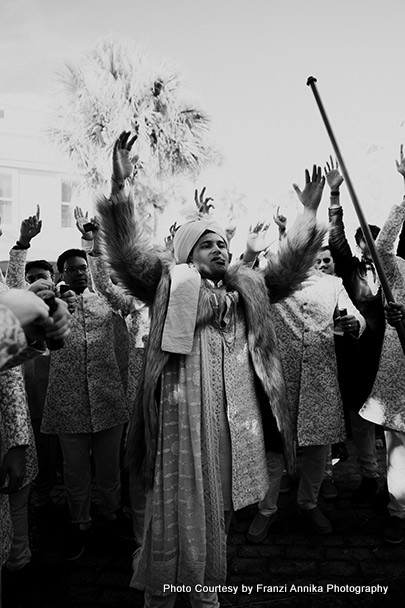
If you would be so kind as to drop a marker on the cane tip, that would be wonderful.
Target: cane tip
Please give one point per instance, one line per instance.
(311, 80)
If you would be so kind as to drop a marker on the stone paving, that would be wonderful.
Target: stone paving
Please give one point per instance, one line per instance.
(293, 567)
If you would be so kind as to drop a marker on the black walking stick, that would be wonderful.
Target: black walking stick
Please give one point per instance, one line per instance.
(364, 225)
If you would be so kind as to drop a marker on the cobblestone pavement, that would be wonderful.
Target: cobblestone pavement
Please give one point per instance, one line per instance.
(291, 557)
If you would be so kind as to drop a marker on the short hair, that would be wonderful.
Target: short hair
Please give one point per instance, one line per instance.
(325, 248)
(69, 253)
(358, 235)
(40, 264)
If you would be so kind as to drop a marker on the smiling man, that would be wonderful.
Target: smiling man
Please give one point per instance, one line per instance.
(324, 261)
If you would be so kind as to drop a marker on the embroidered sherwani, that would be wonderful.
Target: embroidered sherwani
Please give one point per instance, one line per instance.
(86, 378)
(211, 452)
(186, 402)
(305, 325)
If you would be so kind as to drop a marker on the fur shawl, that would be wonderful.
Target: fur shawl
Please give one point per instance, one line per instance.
(145, 273)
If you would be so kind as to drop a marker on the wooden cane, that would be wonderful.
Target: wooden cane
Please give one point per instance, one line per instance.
(400, 327)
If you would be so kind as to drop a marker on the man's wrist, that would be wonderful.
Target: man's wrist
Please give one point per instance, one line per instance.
(22, 243)
(334, 193)
(310, 211)
(118, 183)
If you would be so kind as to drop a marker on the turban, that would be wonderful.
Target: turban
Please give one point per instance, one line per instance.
(188, 234)
(178, 330)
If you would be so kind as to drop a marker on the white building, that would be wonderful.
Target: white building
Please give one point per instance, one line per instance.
(31, 174)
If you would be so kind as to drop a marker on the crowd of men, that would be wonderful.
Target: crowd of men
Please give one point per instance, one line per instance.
(200, 377)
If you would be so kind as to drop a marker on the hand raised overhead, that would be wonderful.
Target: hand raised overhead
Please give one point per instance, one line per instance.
(124, 165)
(81, 221)
(311, 195)
(280, 220)
(333, 175)
(256, 238)
(204, 205)
(169, 239)
(401, 164)
(230, 232)
(30, 227)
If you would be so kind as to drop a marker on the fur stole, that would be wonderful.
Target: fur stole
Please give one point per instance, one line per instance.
(144, 272)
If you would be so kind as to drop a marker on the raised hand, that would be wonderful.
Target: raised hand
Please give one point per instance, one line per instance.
(123, 165)
(81, 221)
(30, 227)
(169, 239)
(255, 242)
(230, 231)
(281, 221)
(311, 195)
(333, 175)
(203, 204)
(401, 164)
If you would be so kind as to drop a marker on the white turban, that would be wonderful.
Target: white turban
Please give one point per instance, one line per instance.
(188, 234)
(181, 315)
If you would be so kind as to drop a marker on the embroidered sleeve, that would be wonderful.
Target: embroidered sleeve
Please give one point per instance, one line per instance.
(12, 337)
(15, 277)
(386, 241)
(116, 297)
(14, 409)
(391, 229)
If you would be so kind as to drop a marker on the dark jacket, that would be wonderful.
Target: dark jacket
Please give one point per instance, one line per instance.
(357, 362)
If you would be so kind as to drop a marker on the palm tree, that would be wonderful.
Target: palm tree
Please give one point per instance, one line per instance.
(118, 86)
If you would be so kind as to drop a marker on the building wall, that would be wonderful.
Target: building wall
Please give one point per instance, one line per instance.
(36, 177)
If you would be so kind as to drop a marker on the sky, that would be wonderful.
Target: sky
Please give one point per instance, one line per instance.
(248, 61)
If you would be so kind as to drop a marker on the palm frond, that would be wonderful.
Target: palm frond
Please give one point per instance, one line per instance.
(118, 86)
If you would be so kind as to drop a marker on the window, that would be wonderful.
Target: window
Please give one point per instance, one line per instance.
(66, 217)
(6, 197)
